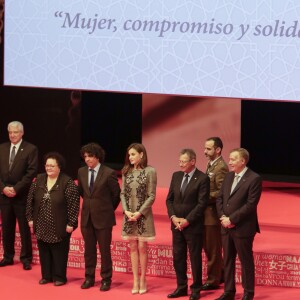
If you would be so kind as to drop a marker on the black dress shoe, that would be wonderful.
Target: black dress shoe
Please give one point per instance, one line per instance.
(59, 283)
(27, 266)
(226, 296)
(5, 262)
(105, 286)
(208, 287)
(178, 293)
(87, 284)
(44, 281)
(195, 296)
(248, 296)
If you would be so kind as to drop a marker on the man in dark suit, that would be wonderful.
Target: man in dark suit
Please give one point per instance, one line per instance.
(237, 209)
(18, 167)
(99, 187)
(186, 201)
(212, 243)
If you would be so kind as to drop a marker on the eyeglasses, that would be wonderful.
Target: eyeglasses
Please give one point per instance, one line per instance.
(183, 162)
(50, 166)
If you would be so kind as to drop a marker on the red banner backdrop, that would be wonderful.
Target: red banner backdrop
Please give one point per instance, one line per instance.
(281, 270)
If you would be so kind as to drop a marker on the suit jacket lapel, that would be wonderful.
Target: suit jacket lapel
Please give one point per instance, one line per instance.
(99, 175)
(191, 182)
(208, 168)
(228, 186)
(7, 155)
(178, 181)
(241, 181)
(85, 179)
(20, 151)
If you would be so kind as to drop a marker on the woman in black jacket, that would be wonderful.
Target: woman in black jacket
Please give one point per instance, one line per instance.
(52, 211)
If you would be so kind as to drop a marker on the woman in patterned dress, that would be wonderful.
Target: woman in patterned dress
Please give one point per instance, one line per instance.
(52, 211)
(137, 196)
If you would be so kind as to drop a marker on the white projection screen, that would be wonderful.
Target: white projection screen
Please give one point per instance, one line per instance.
(213, 48)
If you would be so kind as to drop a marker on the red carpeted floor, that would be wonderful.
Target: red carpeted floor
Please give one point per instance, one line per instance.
(280, 227)
(17, 284)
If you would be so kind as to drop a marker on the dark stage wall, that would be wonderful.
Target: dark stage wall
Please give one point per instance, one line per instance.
(271, 132)
(54, 122)
(112, 120)
(46, 116)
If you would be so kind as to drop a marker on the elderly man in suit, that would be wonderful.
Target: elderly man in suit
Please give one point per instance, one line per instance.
(237, 209)
(18, 167)
(186, 201)
(99, 187)
(216, 170)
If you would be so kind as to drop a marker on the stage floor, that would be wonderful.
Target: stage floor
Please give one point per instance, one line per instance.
(17, 284)
(276, 248)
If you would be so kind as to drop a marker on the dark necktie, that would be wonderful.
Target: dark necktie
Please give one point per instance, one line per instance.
(185, 183)
(12, 156)
(208, 168)
(92, 180)
(235, 182)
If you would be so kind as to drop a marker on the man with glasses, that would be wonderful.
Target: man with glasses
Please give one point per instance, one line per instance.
(18, 167)
(186, 201)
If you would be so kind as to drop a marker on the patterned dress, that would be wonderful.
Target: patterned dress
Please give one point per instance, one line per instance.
(138, 194)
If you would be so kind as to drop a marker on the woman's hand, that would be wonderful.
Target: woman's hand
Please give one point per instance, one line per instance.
(69, 229)
(132, 216)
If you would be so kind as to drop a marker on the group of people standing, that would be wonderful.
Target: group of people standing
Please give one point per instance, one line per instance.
(215, 211)
(49, 204)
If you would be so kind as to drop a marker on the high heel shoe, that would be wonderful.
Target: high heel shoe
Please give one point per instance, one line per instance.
(143, 288)
(143, 291)
(135, 289)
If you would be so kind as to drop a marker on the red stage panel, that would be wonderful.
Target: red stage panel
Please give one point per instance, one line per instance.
(277, 250)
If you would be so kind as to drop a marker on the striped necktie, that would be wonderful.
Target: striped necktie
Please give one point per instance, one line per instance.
(12, 156)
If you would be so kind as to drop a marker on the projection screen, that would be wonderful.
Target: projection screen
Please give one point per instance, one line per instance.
(216, 48)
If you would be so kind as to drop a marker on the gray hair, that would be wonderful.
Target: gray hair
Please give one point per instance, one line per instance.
(243, 153)
(16, 124)
(190, 153)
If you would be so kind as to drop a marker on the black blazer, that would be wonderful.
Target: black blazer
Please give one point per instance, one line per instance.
(101, 204)
(192, 205)
(22, 172)
(241, 205)
(64, 202)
